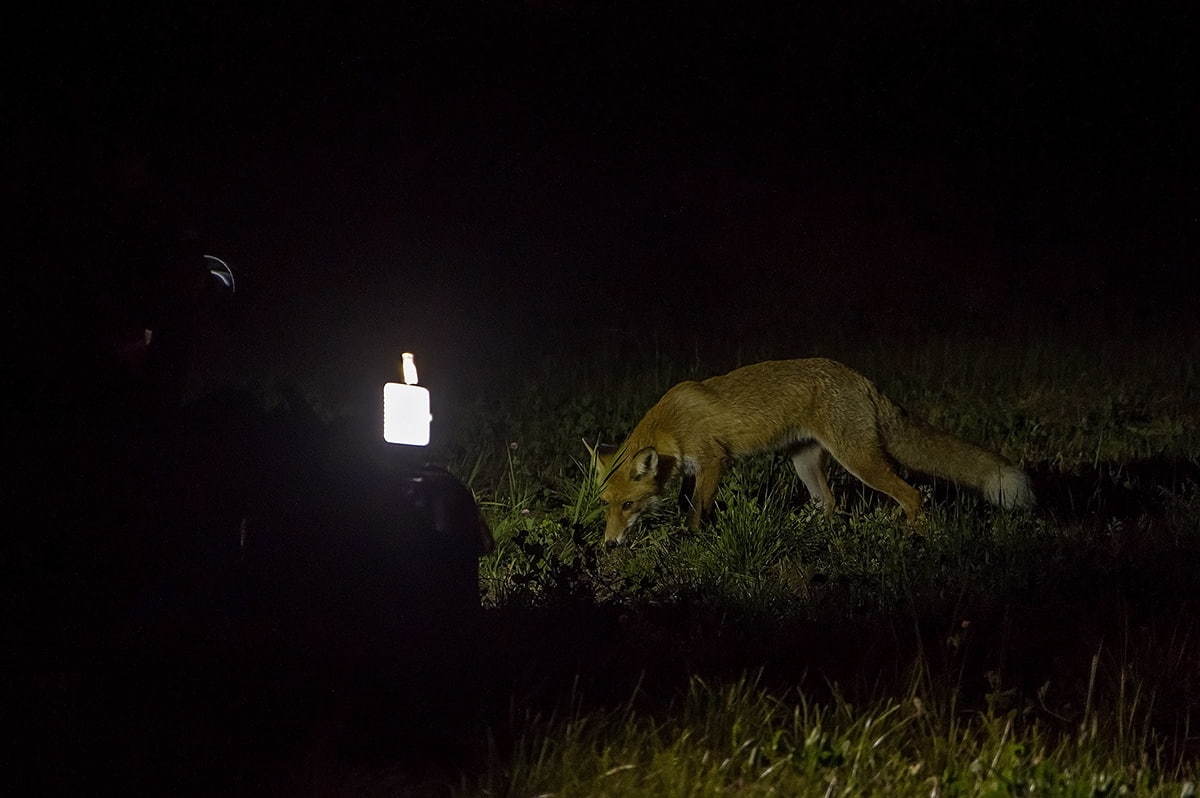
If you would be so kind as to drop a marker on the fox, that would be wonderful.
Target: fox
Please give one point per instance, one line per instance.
(811, 409)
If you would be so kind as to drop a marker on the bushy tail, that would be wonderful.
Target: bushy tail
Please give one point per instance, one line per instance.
(1008, 487)
(922, 447)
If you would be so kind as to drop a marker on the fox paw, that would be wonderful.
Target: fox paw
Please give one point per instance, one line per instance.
(917, 526)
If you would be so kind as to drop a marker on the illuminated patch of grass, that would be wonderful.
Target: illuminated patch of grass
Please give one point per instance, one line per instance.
(1054, 651)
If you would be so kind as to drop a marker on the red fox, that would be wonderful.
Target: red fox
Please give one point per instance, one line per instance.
(809, 408)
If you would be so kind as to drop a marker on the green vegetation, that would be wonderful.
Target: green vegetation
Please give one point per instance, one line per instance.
(777, 652)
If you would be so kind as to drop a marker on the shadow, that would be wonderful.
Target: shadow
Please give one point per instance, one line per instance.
(1121, 491)
(1105, 491)
(248, 601)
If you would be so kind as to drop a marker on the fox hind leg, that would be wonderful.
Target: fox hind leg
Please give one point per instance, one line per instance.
(866, 461)
(810, 461)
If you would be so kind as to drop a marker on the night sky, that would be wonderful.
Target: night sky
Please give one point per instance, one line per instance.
(484, 181)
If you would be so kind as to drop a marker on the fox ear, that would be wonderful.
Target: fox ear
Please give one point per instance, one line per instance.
(645, 462)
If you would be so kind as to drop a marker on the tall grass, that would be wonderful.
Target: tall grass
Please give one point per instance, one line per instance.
(740, 738)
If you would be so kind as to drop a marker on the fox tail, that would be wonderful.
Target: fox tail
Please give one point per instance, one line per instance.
(922, 447)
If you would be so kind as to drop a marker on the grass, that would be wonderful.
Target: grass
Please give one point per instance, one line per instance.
(742, 739)
(778, 652)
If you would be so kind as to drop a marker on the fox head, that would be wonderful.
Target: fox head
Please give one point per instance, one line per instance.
(629, 485)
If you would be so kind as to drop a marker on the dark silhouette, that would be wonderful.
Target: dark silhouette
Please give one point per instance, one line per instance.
(211, 587)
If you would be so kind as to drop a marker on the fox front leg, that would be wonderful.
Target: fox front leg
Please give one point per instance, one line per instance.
(707, 477)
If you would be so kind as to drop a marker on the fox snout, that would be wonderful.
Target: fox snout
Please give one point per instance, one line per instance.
(615, 528)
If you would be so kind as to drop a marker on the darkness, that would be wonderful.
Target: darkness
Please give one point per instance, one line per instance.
(486, 181)
(492, 184)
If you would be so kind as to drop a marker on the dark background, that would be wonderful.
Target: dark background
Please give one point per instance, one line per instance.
(482, 182)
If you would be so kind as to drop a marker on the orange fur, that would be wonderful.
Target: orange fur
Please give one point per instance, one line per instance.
(811, 409)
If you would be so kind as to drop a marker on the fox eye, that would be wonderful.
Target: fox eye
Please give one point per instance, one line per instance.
(627, 506)
(604, 502)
